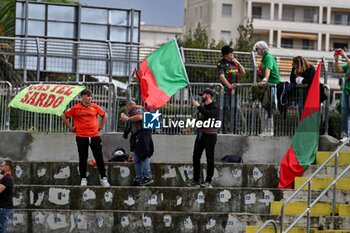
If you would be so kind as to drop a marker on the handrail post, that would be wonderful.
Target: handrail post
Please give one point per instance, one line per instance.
(308, 205)
(335, 184)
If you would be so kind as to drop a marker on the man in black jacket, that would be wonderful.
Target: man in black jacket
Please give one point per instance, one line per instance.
(6, 193)
(206, 138)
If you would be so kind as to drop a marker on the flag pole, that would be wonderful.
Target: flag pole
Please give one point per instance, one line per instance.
(182, 57)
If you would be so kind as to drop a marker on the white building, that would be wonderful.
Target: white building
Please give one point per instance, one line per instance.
(292, 27)
(155, 36)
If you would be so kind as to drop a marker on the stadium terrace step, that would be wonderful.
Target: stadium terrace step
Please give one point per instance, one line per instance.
(344, 210)
(343, 159)
(319, 209)
(319, 183)
(342, 196)
(64, 221)
(253, 229)
(269, 229)
(186, 199)
(327, 171)
(122, 174)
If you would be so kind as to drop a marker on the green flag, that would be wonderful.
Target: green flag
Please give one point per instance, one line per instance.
(46, 98)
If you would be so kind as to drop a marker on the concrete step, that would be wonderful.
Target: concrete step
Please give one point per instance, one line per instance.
(122, 174)
(344, 210)
(253, 229)
(64, 221)
(327, 171)
(342, 196)
(319, 209)
(269, 229)
(320, 183)
(186, 199)
(343, 159)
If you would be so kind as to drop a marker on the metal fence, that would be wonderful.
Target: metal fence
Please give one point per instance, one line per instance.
(103, 95)
(45, 60)
(179, 107)
(5, 98)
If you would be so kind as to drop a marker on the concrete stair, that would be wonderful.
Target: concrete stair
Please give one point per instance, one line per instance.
(324, 207)
(48, 198)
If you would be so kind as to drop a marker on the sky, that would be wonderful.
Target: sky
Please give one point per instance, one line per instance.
(154, 12)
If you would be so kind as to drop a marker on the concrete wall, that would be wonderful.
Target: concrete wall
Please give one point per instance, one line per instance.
(168, 148)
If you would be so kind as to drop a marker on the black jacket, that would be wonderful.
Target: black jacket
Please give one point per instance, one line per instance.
(205, 112)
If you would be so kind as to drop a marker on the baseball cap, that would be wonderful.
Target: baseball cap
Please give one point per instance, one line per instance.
(226, 50)
(207, 91)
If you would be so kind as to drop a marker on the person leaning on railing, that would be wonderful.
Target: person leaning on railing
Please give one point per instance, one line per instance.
(302, 73)
(345, 104)
(229, 69)
(270, 75)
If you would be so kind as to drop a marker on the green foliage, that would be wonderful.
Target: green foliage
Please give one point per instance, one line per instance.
(198, 39)
(245, 41)
(7, 17)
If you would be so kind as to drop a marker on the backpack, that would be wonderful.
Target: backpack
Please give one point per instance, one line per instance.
(118, 155)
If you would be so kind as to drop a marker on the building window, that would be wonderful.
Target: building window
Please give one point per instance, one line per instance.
(200, 12)
(288, 14)
(342, 19)
(340, 45)
(306, 44)
(226, 36)
(257, 12)
(227, 10)
(287, 43)
(310, 15)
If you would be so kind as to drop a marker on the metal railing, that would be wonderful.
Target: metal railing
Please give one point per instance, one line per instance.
(103, 95)
(5, 98)
(179, 107)
(310, 203)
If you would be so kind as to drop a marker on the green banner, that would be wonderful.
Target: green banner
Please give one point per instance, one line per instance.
(46, 98)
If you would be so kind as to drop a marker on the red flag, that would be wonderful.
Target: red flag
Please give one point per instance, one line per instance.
(305, 140)
(162, 74)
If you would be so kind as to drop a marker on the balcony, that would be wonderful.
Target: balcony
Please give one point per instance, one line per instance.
(264, 24)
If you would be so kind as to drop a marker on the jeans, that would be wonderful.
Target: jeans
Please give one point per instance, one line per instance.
(142, 168)
(204, 142)
(95, 144)
(345, 110)
(5, 214)
(229, 114)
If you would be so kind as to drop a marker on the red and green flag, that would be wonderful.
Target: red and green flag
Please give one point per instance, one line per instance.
(161, 75)
(304, 146)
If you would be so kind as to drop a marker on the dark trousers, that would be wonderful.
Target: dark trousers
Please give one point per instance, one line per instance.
(95, 144)
(204, 142)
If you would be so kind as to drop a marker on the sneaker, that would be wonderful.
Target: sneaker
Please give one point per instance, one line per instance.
(206, 185)
(194, 184)
(343, 139)
(83, 182)
(104, 182)
(147, 181)
(265, 134)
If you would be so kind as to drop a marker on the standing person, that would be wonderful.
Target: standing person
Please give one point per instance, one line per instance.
(6, 193)
(302, 73)
(270, 75)
(229, 69)
(141, 143)
(86, 127)
(206, 138)
(345, 104)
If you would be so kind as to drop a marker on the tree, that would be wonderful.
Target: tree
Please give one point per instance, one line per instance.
(245, 41)
(7, 15)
